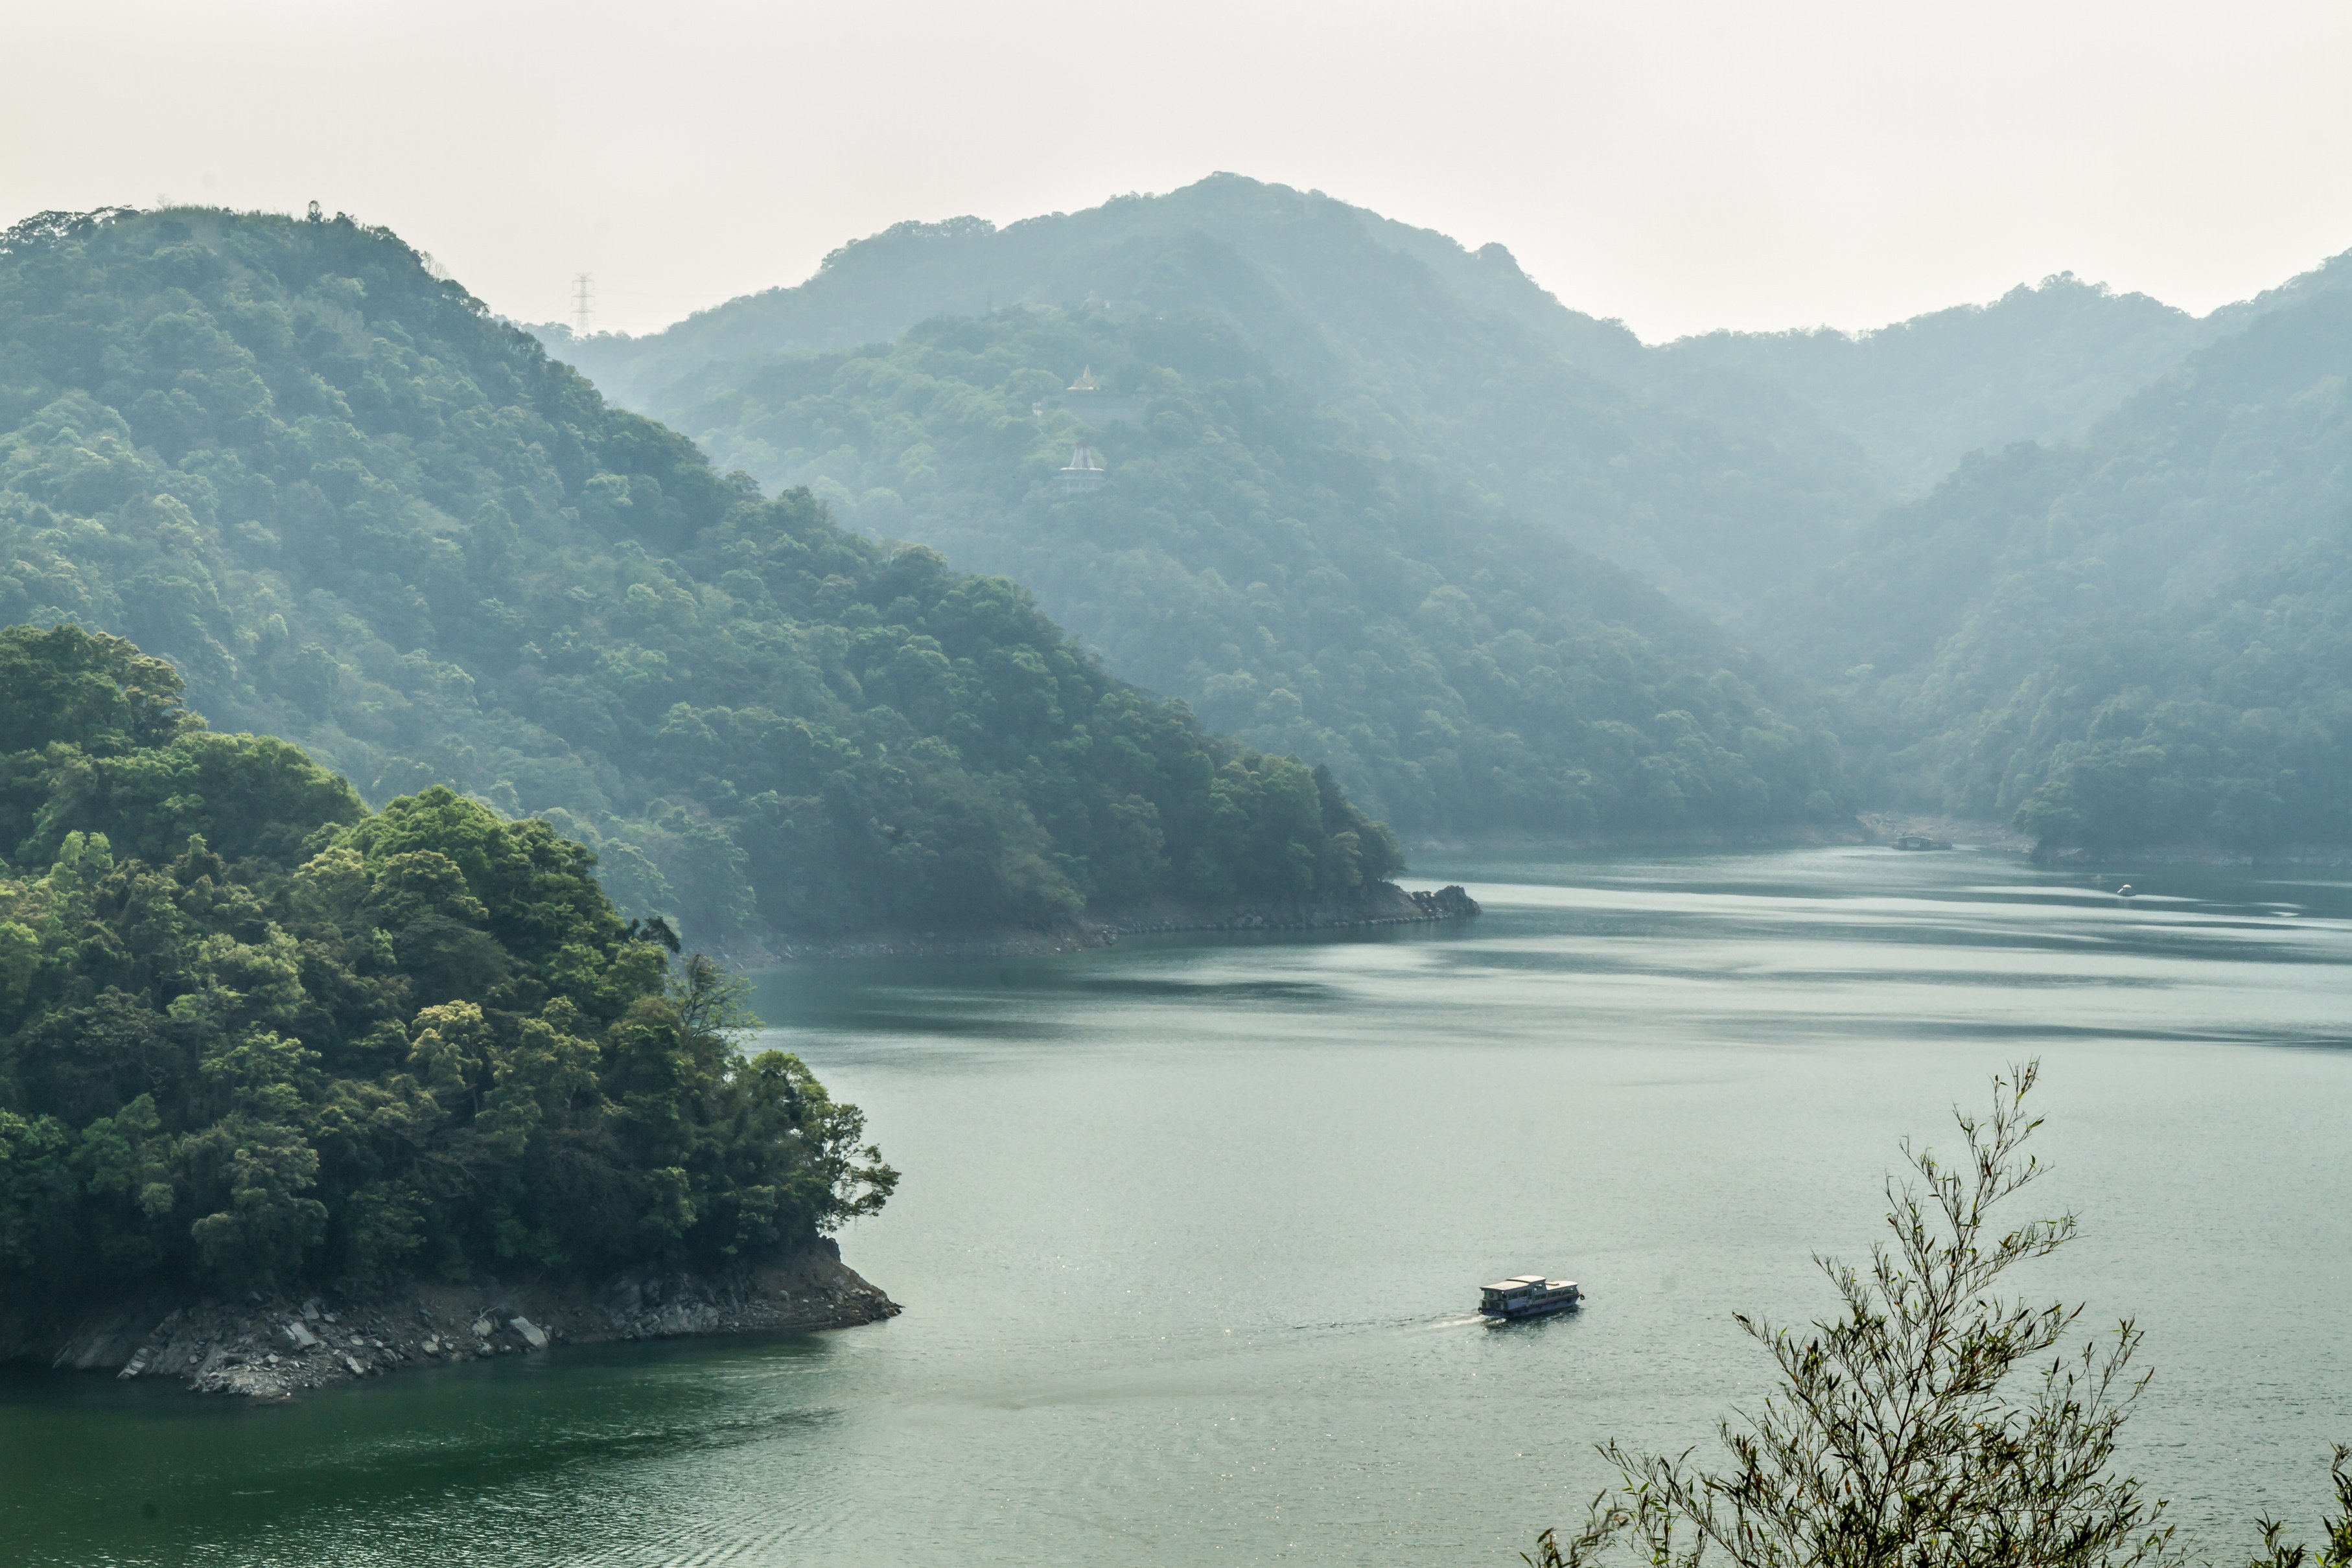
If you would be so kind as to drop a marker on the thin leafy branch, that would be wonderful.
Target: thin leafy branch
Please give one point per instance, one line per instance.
(1936, 1421)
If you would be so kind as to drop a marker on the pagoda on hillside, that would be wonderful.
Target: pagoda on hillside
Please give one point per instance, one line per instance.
(1085, 473)
(1089, 400)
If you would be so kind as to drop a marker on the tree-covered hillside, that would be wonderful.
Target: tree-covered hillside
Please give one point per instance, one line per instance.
(253, 1035)
(1719, 468)
(357, 512)
(2037, 364)
(1708, 484)
(2144, 639)
(1306, 584)
(2042, 363)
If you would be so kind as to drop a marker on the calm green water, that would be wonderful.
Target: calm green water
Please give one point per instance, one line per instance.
(1189, 1230)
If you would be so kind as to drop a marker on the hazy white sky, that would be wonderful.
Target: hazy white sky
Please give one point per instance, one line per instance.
(1681, 166)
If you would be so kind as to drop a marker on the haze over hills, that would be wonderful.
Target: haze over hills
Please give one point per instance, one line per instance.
(1300, 584)
(2043, 363)
(1718, 467)
(2145, 638)
(1418, 342)
(1782, 484)
(2038, 365)
(357, 512)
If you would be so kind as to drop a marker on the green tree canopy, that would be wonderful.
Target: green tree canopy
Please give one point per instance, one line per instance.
(253, 1034)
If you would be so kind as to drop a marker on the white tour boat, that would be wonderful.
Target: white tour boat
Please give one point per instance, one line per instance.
(1528, 1296)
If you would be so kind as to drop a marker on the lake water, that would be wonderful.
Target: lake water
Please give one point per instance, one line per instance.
(1190, 1230)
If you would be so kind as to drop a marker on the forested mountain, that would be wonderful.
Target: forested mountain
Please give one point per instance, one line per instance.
(359, 513)
(1707, 483)
(2143, 639)
(254, 1036)
(2041, 363)
(2038, 365)
(1302, 583)
(1716, 468)
(2115, 605)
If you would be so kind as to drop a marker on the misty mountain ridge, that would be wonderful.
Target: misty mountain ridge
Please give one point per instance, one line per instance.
(2041, 363)
(1718, 467)
(1816, 489)
(1416, 340)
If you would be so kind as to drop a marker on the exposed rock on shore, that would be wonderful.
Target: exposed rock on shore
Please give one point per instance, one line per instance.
(269, 1347)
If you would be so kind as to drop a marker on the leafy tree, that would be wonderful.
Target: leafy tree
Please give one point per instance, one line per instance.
(1899, 1433)
(1922, 1425)
(2336, 1549)
(253, 1034)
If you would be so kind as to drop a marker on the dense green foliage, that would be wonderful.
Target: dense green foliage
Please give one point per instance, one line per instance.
(2228, 721)
(252, 1034)
(2144, 640)
(1301, 585)
(359, 514)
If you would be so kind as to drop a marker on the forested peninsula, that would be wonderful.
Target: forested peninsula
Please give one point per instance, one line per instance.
(358, 512)
(260, 1045)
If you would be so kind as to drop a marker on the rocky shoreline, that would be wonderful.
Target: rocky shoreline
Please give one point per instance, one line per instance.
(1383, 904)
(272, 1347)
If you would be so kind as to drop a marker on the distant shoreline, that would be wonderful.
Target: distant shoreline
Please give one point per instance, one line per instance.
(1390, 905)
(1384, 904)
(1788, 836)
(1883, 828)
(2080, 856)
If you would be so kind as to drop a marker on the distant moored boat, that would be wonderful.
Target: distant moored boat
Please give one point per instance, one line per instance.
(1528, 1296)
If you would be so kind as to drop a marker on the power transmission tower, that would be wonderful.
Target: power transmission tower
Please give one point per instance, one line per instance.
(583, 304)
